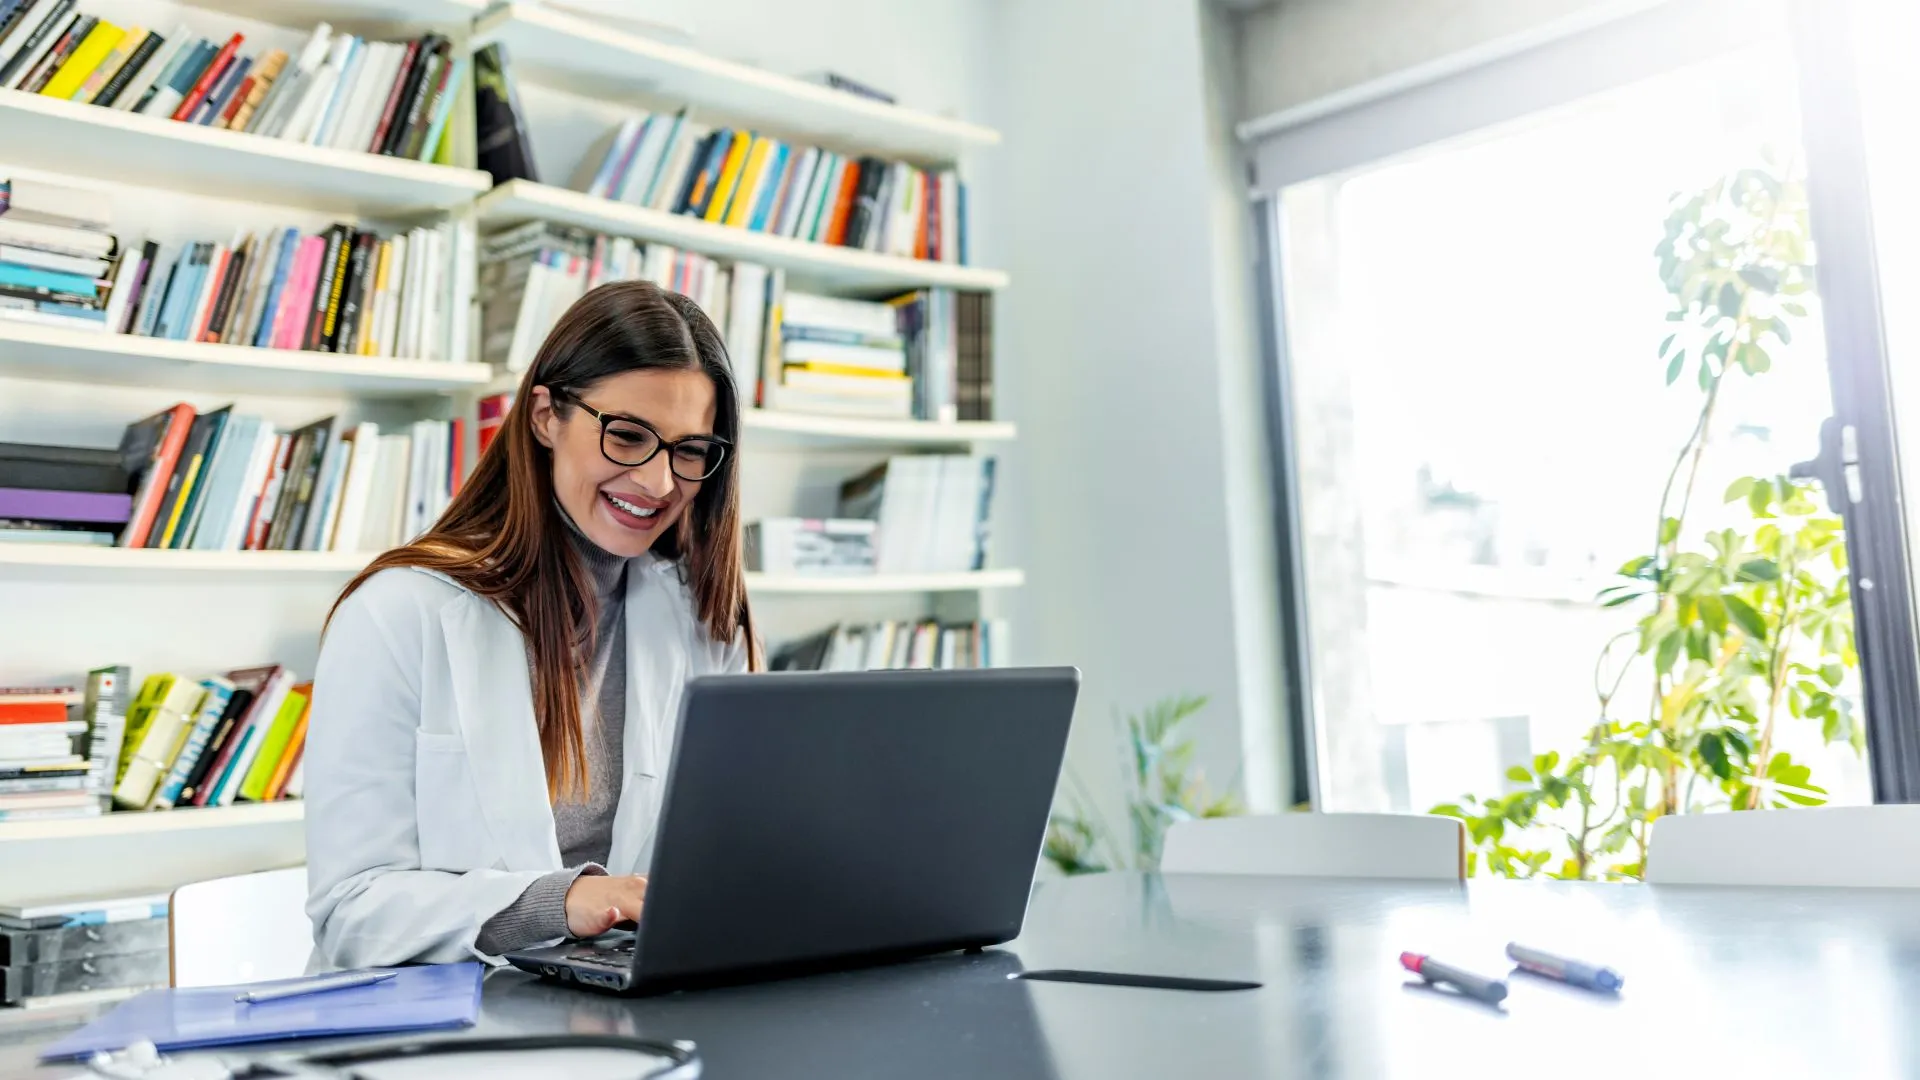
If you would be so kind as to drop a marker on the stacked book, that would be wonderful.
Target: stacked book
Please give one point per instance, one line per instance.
(55, 254)
(222, 481)
(931, 512)
(75, 951)
(729, 176)
(828, 547)
(338, 90)
(59, 746)
(230, 738)
(62, 494)
(841, 357)
(896, 644)
(340, 290)
(44, 771)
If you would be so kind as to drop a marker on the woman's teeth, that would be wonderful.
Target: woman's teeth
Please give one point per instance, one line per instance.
(636, 511)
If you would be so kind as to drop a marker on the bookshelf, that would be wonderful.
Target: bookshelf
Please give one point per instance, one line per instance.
(597, 58)
(823, 264)
(48, 133)
(58, 353)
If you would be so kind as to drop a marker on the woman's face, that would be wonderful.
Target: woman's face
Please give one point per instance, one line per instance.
(624, 510)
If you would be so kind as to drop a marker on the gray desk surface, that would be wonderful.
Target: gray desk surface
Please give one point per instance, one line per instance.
(1720, 982)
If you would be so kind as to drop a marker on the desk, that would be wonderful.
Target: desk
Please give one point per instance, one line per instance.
(1742, 983)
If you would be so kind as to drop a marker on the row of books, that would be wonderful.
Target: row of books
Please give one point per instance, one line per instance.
(747, 180)
(931, 512)
(223, 481)
(531, 274)
(828, 547)
(340, 290)
(215, 741)
(924, 354)
(896, 644)
(87, 950)
(393, 98)
(69, 752)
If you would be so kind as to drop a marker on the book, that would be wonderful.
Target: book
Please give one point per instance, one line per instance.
(163, 721)
(217, 787)
(131, 83)
(84, 911)
(33, 45)
(61, 468)
(149, 451)
(215, 694)
(505, 152)
(273, 744)
(105, 709)
(89, 55)
(238, 704)
(203, 445)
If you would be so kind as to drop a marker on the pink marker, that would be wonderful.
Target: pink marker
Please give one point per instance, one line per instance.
(1491, 991)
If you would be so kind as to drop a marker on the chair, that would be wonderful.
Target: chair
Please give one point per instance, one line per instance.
(1833, 846)
(1414, 846)
(247, 928)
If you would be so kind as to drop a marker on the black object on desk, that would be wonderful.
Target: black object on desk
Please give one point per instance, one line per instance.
(1147, 982)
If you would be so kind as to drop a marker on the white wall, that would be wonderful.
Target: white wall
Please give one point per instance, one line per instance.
(1120, 350)
(1300, 50)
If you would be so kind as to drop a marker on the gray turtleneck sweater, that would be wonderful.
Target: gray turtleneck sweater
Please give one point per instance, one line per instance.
(583, 828)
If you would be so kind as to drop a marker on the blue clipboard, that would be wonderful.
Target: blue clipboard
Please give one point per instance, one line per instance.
(416, 999)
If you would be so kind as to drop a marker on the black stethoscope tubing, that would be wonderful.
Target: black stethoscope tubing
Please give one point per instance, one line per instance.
(683, 1060)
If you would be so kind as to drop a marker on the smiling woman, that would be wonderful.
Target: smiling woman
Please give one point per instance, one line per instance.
(497, 697)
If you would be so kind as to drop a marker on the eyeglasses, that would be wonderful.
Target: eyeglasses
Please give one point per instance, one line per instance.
(631, 443)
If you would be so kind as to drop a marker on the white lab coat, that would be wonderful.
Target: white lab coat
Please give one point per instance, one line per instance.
(427, 806)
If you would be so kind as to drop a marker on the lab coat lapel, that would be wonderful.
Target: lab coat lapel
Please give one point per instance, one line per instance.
(656, 661)
(493, 701)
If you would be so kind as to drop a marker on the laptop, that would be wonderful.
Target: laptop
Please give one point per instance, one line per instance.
(815, 821)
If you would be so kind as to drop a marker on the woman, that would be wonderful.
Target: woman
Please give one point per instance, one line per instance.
(494, 703)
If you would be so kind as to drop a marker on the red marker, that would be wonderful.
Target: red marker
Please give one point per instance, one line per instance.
(1491, 991)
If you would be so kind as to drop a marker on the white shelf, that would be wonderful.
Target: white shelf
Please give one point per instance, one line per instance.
(32, 351)
(69, 137)
(768, 426)
(521, 200)
(131, 852)
(393, 15)
(40, 561)
(599, 59)
(884, 583)
(136, 823)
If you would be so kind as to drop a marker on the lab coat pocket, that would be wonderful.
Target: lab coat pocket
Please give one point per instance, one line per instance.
(453, 832)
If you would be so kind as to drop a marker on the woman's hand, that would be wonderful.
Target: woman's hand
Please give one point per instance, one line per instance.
(599, 902)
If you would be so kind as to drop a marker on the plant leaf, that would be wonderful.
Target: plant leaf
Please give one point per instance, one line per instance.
(1744, 616)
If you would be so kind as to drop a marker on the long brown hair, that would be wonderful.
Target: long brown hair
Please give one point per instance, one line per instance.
(502, 537)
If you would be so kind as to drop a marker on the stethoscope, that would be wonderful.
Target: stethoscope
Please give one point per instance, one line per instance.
(677, 1060)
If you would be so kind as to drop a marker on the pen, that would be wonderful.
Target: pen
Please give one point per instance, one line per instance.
(321, 985)
(1571, 972)
(1491, 991)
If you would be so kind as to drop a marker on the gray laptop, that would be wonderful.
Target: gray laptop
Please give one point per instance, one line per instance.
(816, 821)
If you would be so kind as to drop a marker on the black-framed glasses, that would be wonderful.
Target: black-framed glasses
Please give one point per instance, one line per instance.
(631, 443)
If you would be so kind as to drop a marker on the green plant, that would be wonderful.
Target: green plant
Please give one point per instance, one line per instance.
(1163, 787)
(1735, 638)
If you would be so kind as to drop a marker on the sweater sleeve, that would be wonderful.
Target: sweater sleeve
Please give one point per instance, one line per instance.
(540, 914)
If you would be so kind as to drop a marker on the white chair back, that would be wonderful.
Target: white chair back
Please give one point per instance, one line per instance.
(1833, 846)
(242, 929)
(1410, 846)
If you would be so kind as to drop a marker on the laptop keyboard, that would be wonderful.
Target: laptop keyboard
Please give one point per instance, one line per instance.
(618, 954)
